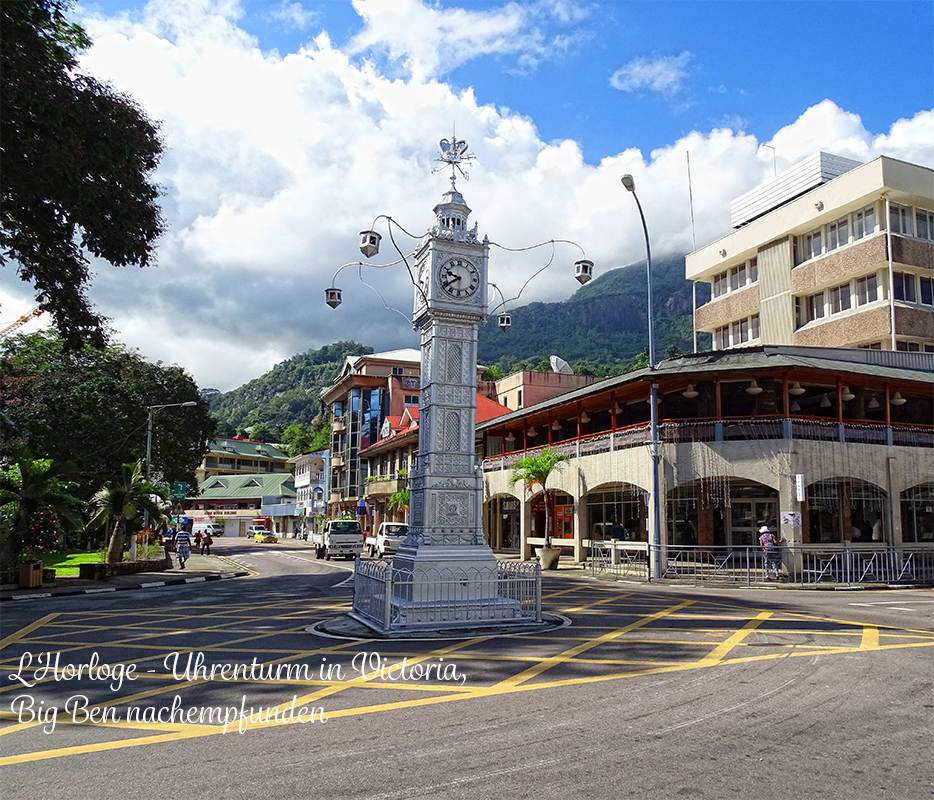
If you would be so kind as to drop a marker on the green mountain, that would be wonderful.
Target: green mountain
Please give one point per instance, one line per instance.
(604, 322)
(288, 393)
(601, 329)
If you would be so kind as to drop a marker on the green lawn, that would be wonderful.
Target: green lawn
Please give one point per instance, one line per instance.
(66, 565)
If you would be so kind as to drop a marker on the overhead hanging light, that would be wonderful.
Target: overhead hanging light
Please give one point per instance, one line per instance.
(616, 409)
(898, 400)
(795, 406)
(510, 437)
(847, 394)
(796, 389)
(825, 403)
(754, 388)
(556, 426)
(585, 418)
(873, 403)
(532, 432)
(690, 393)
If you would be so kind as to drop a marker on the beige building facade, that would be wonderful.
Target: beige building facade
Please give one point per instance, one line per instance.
(829, 254)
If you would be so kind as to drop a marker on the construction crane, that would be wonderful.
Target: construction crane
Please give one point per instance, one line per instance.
(9, 330)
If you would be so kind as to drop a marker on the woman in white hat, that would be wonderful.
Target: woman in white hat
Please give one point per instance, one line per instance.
(773, 552)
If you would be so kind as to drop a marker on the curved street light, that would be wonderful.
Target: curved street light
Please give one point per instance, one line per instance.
(656, 542)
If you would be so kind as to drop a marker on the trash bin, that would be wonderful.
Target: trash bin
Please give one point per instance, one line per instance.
(30, 574)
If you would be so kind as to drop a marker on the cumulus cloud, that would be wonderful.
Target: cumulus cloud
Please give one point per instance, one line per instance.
(294, 15)
(275, 163)
(663, 74)
(424, 41)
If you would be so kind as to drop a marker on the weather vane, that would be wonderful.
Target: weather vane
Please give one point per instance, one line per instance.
(453, 154)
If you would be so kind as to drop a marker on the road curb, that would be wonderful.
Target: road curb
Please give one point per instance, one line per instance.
(108, 589)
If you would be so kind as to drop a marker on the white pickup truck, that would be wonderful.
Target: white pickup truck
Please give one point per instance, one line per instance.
(339, 537)
(387, 539)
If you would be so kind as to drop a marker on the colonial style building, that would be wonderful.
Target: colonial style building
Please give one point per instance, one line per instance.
(235, 501)
(237, 456)
(830, 253)
(311, 484)
(827, 446)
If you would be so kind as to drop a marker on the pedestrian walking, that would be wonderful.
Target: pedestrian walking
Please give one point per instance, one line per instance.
(198, 537)
(773, 552)
(206, 543)
(182, 547)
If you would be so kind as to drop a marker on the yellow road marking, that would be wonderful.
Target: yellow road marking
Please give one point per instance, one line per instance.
(25, 631)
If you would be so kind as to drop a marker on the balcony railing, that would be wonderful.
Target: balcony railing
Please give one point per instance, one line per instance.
(728, 430)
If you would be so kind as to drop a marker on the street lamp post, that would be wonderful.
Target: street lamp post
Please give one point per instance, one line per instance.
(149, 457)
(656, 542)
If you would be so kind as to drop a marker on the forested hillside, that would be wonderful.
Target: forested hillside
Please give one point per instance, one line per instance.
(288, 393)
(605, 323)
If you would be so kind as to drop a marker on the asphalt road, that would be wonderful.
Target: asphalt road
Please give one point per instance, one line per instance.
(649, 692)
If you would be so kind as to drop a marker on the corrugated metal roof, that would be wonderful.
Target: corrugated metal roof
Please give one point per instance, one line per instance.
(245, 449)
(229, 487)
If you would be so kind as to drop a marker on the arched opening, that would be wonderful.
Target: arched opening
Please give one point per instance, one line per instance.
(845, 510)
(917, 508)
(616, 512)
(503, 523)
(720, 511)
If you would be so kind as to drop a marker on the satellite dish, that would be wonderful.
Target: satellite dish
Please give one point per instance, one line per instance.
(558, 364)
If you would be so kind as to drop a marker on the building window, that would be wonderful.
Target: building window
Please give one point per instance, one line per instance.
(740, 331)
(872, 346)
(904, 286)
(411, 399)
(721, 338)
(812, 246)
(837, 235)
(814, 306)
(900, 219)
(754, 326)
(719, 284)
(737, 277)
(753, 270)
(840, 298)
(398, 371)
(864, 222)
(924, 224)
(867, 290)
(927, 291)
(911, 347)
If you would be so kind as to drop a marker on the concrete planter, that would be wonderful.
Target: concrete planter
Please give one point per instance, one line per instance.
(548, 556)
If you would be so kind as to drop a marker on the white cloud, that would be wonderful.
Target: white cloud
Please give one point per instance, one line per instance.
(275, 163)
(429, 41)
(663, 74)
(294, 15)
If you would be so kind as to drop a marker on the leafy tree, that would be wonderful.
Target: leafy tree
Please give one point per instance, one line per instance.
(535, 470)
(493, 373)
(78, 159)
(90, 407)
(36, 502)
(260, 432)
(297, 439)
(398, 501)
(121, 500)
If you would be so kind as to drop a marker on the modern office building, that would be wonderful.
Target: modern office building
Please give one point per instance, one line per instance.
(830, 253)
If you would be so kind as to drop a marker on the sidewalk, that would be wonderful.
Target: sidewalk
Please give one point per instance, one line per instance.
(197, 570)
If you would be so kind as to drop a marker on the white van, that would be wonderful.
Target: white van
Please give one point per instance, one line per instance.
(214, 528)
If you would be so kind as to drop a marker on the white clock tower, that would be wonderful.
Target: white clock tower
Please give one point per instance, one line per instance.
(450, 573)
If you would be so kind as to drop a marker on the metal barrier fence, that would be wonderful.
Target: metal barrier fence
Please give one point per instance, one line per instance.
(392, 599)
(799, 564)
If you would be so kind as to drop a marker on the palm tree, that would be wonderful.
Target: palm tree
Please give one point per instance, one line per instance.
(35, 492)
(534, 471)
(398, 501)
(122, 499)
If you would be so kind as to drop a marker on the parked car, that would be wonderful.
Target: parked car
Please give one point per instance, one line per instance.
(214, 528)
(265, 537)
(387, 539)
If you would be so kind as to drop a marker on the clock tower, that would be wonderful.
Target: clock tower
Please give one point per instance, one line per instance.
(450, 572)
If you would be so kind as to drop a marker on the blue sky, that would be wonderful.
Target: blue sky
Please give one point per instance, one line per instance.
(289, 125)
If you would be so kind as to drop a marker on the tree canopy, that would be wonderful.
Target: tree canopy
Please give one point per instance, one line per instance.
(78, 159)
(90, 407)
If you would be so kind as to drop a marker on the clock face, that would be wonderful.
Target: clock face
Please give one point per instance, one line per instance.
(459, 278)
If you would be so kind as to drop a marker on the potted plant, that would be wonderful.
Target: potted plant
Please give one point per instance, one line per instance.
(534, 470)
